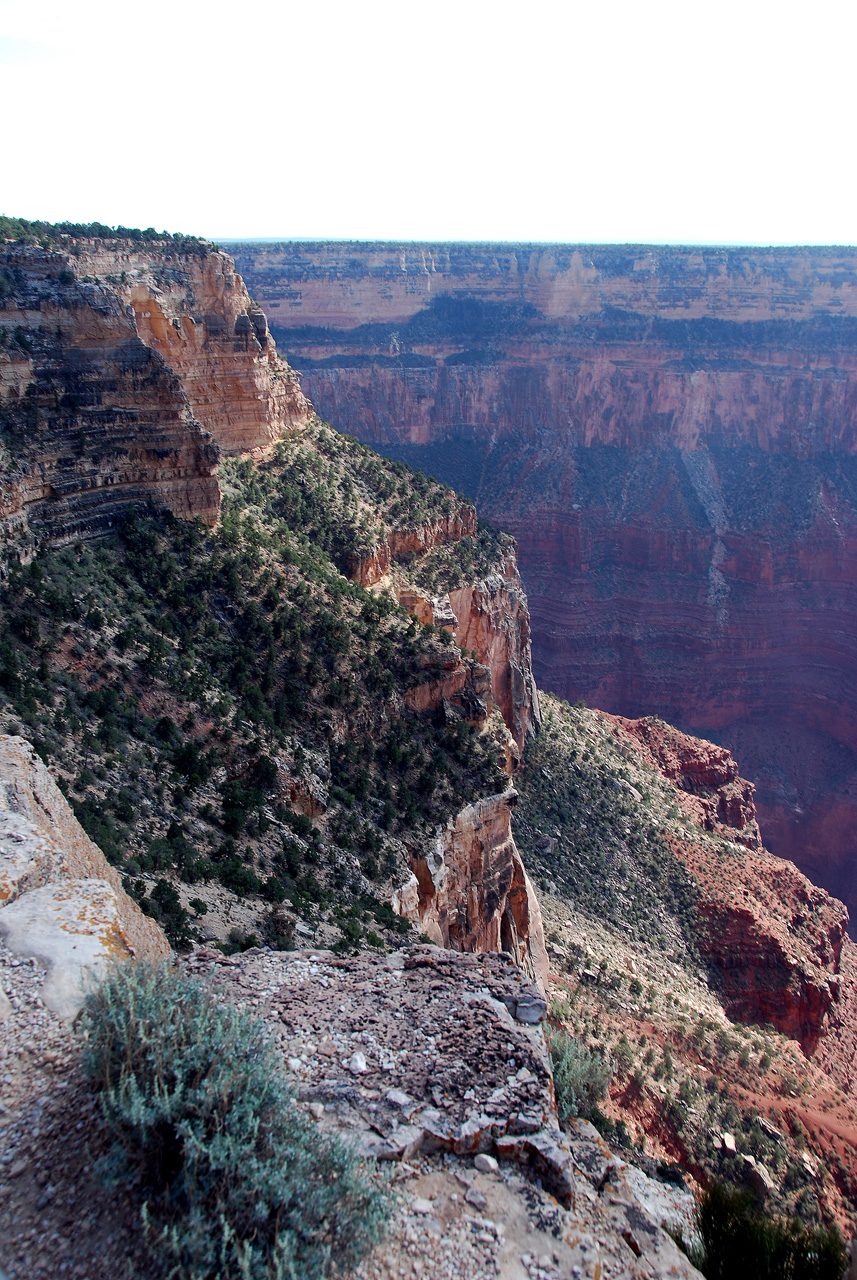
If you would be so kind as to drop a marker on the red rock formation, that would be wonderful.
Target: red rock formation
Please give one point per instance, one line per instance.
(470, 891)
(716, 798)
(775, 941)
(670, 435)
(494, 621)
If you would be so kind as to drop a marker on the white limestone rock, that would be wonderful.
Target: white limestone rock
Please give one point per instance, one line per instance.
(73, 927)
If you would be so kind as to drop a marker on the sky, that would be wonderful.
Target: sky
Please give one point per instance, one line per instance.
(458, 120)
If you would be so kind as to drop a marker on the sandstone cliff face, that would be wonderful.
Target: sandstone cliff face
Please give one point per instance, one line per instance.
(774, 941)
(670, 435)
(470, 891)
(124, 372)
(60, 900)
(493, 620)
(490, 617)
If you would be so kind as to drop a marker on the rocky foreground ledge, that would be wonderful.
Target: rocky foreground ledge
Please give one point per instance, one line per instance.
(432, 1062)
(436, 1061)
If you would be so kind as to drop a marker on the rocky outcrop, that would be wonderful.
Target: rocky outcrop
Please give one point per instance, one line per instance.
(396, 543)
(198, 316)
(492, 619)
(714, 796)
(470, 891)
(774, 941)
(669, 433)
(125, 371)
(60, 900)
(416, 1058)
(425, 1052)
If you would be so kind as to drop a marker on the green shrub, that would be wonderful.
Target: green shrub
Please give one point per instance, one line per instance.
(737, 1239)
(580, 1076)
(237, 1182)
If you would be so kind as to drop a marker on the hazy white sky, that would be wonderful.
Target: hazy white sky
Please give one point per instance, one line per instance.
(461, 119)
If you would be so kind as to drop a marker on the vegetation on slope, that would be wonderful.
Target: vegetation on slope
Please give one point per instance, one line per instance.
(737, 1238)
(599, 840)
(225, 708)
(628, 987)
(53, 235)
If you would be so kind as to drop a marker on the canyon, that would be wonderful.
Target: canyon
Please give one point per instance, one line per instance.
(669, 433)
(286, 685)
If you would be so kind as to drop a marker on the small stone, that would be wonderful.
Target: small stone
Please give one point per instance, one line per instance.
(421, 1206)
(398, 1098)
(19, 1167)
(316, 1110)
(485, 1163)
(476, 1198)
(357, 1064)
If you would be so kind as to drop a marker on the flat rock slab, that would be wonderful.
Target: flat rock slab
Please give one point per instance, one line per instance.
(73, 927)
(28, 859)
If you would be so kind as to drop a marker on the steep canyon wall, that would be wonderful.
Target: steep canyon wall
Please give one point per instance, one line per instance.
(670, 435)
(126, 371)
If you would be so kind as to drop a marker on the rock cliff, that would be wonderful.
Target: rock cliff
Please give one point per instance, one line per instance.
(470, 891)
(130, 370)
(773, 939)
(669, 433)
(718, 978)
(126, 371)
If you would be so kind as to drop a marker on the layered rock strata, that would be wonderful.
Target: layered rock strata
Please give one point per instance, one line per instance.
(60, 900)
(125, 371)
(669, 433)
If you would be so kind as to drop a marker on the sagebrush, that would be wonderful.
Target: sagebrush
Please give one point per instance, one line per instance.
(580, 1076)
(234, 1179)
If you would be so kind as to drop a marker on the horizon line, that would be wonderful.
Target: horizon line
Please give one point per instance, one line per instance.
(635, 244)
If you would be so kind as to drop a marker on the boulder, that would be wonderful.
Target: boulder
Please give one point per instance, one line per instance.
(61, 901)
(73, 927)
